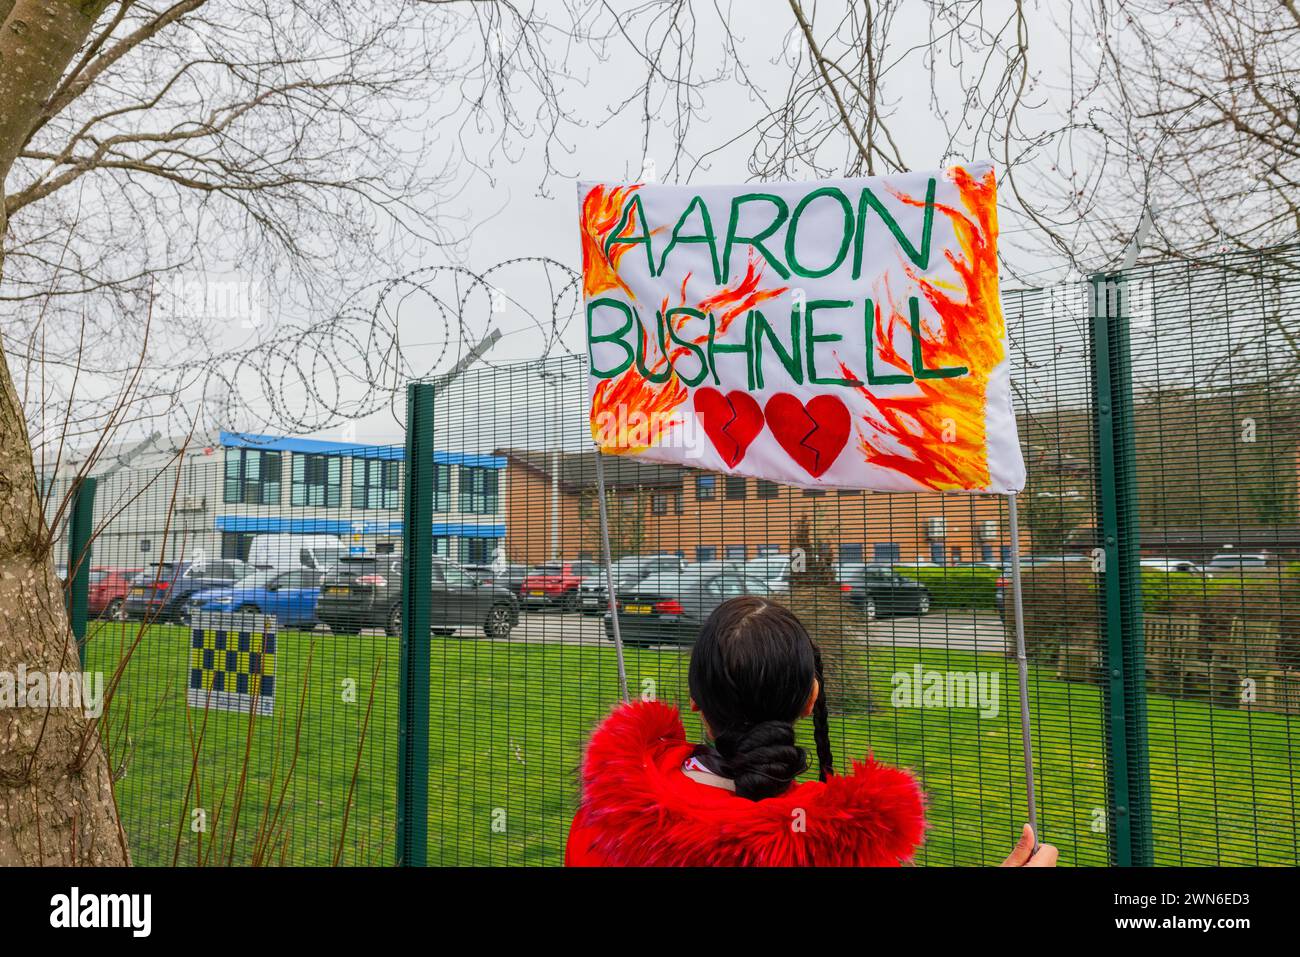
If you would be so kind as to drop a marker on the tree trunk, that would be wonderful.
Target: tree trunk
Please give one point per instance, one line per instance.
(56, 800)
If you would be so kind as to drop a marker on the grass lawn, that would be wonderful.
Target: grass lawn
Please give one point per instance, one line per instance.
(507, 722)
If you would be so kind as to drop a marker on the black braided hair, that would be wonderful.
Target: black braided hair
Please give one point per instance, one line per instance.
(750, 674)
(822, 721)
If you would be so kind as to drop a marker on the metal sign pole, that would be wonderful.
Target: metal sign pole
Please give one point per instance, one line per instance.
(1022, 666)
(609, 574)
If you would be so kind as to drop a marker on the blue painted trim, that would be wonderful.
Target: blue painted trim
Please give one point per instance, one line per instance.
(395, 453)
(332, 526)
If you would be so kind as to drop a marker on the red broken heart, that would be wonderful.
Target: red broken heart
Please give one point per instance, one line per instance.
(813, 434)
(730, 421)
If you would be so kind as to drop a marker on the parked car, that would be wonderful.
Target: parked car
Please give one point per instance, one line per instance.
(555, 584)
(161, 592)
(670, 608)
(508, 576)
(365, 591)
(593, 596)
(288, 596)
(107, 592)
(1238, 561)
(773, 569)
(879, 590)
(286, 552)
(1185, 565)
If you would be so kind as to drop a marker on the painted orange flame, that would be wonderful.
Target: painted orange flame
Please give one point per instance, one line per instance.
(744, 296)
(601, 211)
(631, 413)
(937, 438)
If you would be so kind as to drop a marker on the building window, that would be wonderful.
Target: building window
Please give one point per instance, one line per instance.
(705, 553)
(886, 552)
(478, 490)
(442, 488)
(850, 552)
(986, 551)
(954, 554)
(659, 503)
(679, 502)
(736, 553)
(936, 552)
(814, 491)
(476, 551)
(706, 487)
(764, 550)
(736, 487)
(252, 477)
(235, 545)
(767, 490)
(317, 480)
(374, 483)
(1006, 554)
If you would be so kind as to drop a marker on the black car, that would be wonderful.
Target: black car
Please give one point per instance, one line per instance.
(162, 591)
(878, 590)
(363, 591)
(670, 608)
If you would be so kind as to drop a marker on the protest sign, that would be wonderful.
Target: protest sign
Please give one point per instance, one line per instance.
(842, 333)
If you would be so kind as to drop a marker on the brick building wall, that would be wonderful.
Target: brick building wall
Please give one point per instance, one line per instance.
(705, 515)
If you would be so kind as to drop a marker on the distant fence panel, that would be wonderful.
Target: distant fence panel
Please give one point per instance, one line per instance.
(267, 743)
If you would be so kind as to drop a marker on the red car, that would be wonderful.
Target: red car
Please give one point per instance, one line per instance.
(555, 584)
(107, 590)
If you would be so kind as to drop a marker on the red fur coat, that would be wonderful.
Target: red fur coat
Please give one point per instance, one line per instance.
(639, 809)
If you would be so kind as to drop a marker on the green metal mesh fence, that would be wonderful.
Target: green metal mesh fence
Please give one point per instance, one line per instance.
(239, 729)
(1157, 412)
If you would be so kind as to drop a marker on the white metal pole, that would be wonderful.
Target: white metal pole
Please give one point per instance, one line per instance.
(609, 574)
(1022, 666)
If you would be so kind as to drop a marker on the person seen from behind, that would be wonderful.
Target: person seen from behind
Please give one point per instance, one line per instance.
(652, 798)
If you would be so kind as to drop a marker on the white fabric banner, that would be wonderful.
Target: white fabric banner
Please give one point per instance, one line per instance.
(844, 333)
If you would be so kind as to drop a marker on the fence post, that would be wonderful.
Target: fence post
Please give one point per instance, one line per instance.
(417, 571)
(1120, 595)
(81, 526)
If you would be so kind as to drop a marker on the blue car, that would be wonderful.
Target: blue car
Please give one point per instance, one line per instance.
(289, 596)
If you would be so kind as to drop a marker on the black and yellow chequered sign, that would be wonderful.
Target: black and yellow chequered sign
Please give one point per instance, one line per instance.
(232, 663)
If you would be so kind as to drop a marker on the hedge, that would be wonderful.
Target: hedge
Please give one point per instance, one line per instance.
(963, 586)
(973, 586)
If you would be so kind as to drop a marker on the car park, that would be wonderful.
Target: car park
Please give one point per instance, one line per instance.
(365, 591)
(290, 597)
(670, 608)
(162, 591)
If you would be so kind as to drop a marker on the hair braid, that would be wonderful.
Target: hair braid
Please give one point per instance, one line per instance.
(821, 720)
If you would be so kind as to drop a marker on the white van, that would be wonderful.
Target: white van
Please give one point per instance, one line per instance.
(288, 552)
